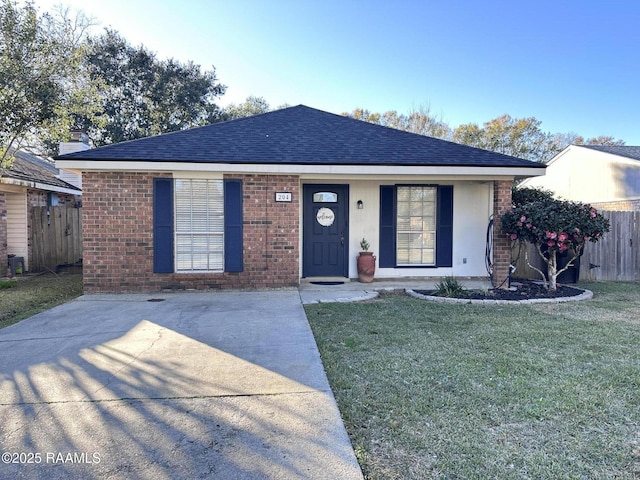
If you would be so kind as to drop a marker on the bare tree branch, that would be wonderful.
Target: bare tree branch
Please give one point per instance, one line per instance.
(544, 278)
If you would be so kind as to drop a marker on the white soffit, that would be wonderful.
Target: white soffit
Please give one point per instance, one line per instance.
(288, 169)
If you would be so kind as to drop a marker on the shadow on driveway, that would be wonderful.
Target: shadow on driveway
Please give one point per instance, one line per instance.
(196, 385)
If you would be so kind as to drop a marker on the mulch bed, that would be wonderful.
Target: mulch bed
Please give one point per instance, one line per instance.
(523, 291)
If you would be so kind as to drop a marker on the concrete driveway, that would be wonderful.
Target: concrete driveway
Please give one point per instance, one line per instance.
(195, 385)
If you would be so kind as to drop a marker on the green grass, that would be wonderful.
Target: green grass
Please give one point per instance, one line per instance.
(10, 283)
(33, 294)
(430, 390)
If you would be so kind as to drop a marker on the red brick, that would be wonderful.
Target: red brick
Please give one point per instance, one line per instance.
(501, 244)
(118, 250)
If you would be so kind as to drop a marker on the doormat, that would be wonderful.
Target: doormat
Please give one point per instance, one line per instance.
(327, 283)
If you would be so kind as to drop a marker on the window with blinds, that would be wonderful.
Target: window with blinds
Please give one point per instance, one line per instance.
(199, 225)
(416, 226)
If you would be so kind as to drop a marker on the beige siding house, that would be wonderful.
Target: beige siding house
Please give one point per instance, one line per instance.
(608, 177)
(29, 181)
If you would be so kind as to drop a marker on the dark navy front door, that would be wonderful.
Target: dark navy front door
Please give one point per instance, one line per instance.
(325, 231)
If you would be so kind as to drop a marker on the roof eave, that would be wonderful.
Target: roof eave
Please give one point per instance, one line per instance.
(39, 186)
(518, 171)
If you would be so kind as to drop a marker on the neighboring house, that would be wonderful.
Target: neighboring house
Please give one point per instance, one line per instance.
(267, 200)
(29, 181)
(608, 177)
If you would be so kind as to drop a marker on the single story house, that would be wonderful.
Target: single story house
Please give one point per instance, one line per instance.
(607, 177)
(266, 200)
(29, 181)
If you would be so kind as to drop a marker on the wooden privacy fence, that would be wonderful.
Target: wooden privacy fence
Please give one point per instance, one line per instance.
(56, 237)
(615, 257)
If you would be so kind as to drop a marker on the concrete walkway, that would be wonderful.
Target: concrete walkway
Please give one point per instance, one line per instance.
(222, 385)
(353, 291)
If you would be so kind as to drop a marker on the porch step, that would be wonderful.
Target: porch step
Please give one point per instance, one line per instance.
(324, 279)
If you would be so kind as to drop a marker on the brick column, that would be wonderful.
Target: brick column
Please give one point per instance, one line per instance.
(3, 235)
(501, 244)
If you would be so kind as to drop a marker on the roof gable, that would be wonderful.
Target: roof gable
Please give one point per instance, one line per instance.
(299, 136)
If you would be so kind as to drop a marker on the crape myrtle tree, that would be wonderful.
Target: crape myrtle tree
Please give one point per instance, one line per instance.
(554, 227)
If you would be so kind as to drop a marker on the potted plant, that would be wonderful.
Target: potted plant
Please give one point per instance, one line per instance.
(366, 262)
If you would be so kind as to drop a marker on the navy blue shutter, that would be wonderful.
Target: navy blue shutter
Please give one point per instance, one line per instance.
(163, 225)
(387, 254)
(233, 226)
(444, 227)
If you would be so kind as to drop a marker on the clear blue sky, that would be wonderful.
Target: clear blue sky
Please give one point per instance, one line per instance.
(574, 65)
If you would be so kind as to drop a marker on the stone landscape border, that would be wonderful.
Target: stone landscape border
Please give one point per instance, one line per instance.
(585, 295)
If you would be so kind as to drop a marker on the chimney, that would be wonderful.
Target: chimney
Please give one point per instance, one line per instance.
(79, 142)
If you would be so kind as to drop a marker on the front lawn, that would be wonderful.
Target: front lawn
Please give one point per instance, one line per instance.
(24, 296)
(430, 390)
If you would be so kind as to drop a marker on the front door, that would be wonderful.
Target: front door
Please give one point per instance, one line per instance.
(325, 231)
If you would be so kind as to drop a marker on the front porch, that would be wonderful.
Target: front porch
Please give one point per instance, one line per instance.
(354, 291)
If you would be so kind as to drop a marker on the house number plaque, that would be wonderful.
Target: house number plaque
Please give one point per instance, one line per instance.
(325, 217)
(283, 196)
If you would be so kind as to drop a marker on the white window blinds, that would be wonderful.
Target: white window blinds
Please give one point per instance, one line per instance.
(199, 224)
(416, 225)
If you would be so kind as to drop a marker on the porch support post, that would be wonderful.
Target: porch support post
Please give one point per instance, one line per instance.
(3, 234)
(501, 244)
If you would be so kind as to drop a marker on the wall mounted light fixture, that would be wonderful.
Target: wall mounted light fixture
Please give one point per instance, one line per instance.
(360, 205)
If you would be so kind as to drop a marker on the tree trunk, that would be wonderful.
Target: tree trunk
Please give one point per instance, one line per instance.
(552, 270)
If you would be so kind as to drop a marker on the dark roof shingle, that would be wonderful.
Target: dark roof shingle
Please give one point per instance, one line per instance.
(299, 136)
(622, 150)
(31, 168)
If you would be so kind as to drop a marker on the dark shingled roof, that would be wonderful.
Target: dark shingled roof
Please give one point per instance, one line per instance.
(299, 136)
(31, 168)
(623, 151)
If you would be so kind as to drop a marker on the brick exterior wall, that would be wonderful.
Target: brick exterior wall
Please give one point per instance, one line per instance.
(619, 206)
(271, 231)
(118, 235)
(38, 198)
(3, 235)
(501, 244)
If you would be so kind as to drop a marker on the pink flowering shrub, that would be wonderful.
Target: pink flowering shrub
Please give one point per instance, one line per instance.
(555, 226)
